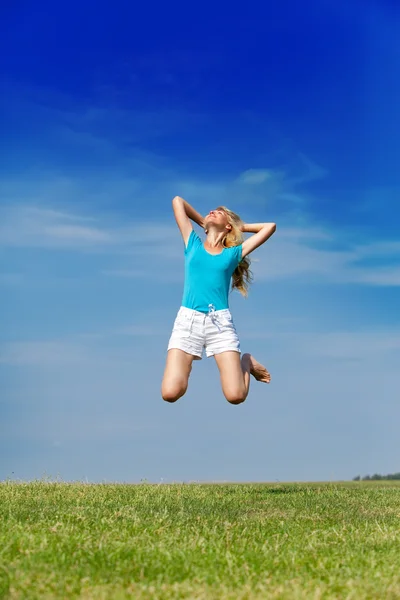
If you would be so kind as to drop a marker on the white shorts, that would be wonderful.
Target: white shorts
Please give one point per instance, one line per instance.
(213, 331)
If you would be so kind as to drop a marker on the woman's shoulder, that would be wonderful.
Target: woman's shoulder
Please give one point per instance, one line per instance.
(235, 252)
(194, 241)
(234, 249)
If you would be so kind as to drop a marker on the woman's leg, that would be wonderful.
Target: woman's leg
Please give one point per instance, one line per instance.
(235, 374)
(176, 374)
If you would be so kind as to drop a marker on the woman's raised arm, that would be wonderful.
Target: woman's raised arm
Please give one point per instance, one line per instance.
(262, 232)
(183, 212)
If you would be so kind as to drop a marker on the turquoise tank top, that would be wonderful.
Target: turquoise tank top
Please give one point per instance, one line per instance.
(208, 276)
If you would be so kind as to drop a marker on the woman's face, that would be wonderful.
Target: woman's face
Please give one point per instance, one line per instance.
(217, 218)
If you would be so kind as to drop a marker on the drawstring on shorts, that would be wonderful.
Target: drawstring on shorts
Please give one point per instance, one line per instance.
(213, 316)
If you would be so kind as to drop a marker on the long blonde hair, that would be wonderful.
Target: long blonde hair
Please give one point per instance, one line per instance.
(242, 275)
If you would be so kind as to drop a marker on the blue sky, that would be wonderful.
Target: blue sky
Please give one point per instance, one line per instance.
(285, 113)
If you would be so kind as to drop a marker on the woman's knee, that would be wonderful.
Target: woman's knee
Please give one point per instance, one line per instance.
(235, 396)
(172, 392)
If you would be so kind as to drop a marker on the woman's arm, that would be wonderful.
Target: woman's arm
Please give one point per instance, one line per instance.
(183, 212)
(262, 232)
(193, 214)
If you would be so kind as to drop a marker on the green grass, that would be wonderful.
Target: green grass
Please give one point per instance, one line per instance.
(285, 541)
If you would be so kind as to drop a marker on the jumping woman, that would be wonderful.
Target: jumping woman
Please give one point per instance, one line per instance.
(204, 320)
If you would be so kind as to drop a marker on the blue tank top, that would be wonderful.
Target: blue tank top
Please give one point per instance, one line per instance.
(208, 276)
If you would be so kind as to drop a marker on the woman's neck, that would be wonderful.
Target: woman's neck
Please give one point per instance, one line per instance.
(214, 239)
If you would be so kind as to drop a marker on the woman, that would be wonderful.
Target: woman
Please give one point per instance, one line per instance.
(204, 320)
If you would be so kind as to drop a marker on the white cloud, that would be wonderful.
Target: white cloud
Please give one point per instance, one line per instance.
(143, 331)
(309, 171)
(34, 226)
(145, 246)
(76, 352)
(164, 274)
(95, 124)
(256, 176)
(378, 249)
(37, 227)
(294, 252)
(95, 349)
(347, 344)
(343, 345)
(385, 276)
(283, 188)
(78, 234)
(42, 353)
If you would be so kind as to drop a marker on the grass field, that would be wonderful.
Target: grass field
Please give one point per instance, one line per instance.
(284, 541)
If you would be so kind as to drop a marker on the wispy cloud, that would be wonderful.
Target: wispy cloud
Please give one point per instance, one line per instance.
(74, 352)
(166, 273)
(100, 122)
(343, 345)
(279, 186)
(353, 345)
(43, 353)
(295, 253)
(307, 252)
(256, 176)
(32, 226)
(39, 227)
(307, 170)
(103, 349)
(142, 330)
(385, 276)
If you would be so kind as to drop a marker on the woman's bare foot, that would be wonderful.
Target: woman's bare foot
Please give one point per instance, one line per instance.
(258, 371)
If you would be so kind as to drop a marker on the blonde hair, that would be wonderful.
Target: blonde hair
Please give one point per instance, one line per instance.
(242, 276)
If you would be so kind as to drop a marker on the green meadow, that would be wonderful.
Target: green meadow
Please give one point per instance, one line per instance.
(236, 541)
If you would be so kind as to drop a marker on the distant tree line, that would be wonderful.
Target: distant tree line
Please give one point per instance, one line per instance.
(377, 477)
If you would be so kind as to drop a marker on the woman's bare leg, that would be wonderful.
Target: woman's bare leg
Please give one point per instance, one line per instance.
(176, 374)
(235, 374)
